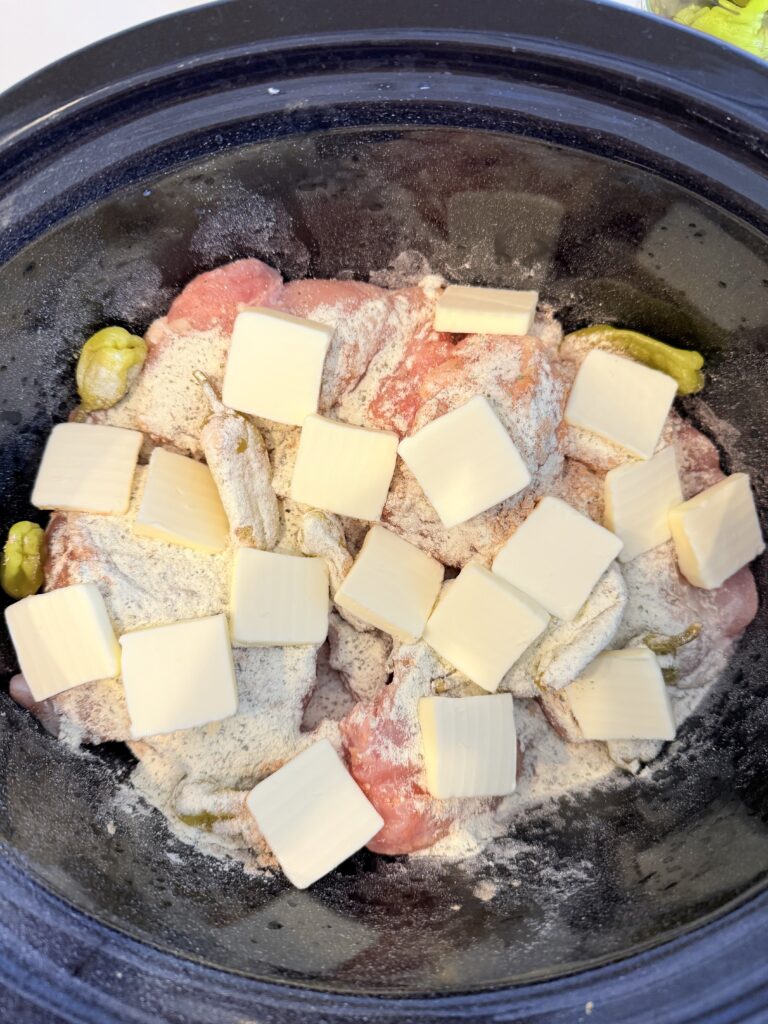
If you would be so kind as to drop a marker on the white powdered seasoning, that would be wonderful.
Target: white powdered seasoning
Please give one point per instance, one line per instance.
(386, 369)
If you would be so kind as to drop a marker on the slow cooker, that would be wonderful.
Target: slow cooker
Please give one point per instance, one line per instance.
(614, 162)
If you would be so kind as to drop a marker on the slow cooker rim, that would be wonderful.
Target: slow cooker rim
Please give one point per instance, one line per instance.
(124, 61)
(727, 938)
(251, 22)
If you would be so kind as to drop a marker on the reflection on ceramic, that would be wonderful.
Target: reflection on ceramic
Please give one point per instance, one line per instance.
(728, 287)
(508, 237)
(278, 932)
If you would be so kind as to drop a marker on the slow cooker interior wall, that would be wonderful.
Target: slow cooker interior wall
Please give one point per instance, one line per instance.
(591, 878)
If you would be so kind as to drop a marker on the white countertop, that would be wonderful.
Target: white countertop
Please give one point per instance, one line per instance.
(38, 32)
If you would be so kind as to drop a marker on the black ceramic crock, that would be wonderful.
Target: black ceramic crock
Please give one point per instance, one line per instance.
(614, 162)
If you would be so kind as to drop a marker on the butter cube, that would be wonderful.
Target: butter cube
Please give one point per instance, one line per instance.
(465, 310)
(178, 677)
(638, 498)
(482, 625)
(275, 365)
(621, 695)
(87, 468)
(717, 532)
(313, 814)
(621, 400)
(279, 600)
(63, 639)
(181, 504)
(393, 585)
(470, 745)
(344, 469)
(465, 462)
(556, 557)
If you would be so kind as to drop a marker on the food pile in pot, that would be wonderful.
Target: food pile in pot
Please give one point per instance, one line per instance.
(350, 566)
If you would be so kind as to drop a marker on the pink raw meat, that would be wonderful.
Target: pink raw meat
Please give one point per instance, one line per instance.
(373, 735)
(379, 747)
(518, 377)
(698, 460)
(383, 746)
(737, 602)
(399, 395)
(582, 488)
(214, 298)
(660, 599)
(673, 603)
(45, 711)
(361, 315)
(413, 820)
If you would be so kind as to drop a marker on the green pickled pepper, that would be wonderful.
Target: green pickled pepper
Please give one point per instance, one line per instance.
(21, 569)
(108, 364)
(683, 365)
(741, 24)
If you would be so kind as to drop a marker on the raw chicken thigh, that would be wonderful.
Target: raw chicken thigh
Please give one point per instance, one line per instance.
(387, 368)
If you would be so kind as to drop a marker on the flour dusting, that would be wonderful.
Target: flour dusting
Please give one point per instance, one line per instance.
(387, 369)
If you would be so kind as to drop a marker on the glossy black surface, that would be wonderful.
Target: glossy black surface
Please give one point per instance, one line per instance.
(76, 970)
(524, 165)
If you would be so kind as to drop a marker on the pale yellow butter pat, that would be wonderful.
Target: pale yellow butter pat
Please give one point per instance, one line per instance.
(621, 695)
(556, 557)
(462, 309)
(63, 639)
(465, 462)
(278, 600)
(393, 585)
(482, 625)
(621, 400)
(178, 677)
(275, 365)
(312, 814)
(470, 745)
(717, 532)
(181, 504)
(638, 499)
(87, 468)
(344, 469)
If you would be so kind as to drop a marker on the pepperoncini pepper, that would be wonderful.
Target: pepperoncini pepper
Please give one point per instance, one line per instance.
(108, 364)
(237, 458)
(21, 569)
(742, 24)
(662, 644)
(681, 364)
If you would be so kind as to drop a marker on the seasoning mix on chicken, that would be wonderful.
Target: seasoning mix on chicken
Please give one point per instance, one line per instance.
(343, 565)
